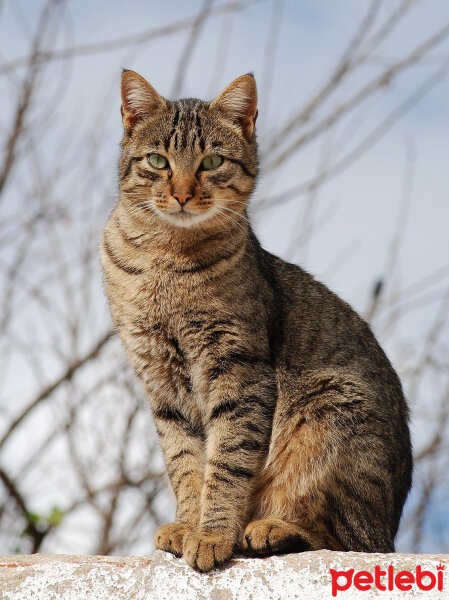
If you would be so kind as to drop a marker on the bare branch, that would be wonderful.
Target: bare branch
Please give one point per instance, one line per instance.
(33, 63)
(341, 70)
(377, 83)
(138, 39)
(192, 40)
(366, 143)
(36, 534)
(66, 376)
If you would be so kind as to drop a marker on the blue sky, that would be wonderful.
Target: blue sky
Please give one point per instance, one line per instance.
(358, 209)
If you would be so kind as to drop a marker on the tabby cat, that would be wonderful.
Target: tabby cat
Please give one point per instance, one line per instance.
(282, 422)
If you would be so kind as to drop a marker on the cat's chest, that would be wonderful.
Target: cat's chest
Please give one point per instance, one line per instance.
(172, 346)
(163, 302)
(164, 321)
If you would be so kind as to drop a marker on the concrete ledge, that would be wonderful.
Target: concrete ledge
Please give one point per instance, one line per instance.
(295, 576)
(61, 577)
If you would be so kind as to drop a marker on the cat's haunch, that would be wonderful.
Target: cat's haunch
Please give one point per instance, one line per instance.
(282, 422)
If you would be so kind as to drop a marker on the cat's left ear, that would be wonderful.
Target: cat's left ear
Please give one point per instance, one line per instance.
(239, 103)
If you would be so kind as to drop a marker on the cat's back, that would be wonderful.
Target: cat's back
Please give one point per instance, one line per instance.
(322, 331)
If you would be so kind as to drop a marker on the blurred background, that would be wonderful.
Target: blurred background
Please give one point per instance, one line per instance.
(354, 149)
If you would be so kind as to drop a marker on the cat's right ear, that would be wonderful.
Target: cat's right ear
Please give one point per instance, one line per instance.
(139, 99)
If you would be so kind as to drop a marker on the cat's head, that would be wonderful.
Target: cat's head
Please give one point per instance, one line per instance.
(188, 162)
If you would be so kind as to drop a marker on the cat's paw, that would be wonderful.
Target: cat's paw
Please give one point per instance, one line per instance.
(170, 538)
(271, 536)
(204, 550)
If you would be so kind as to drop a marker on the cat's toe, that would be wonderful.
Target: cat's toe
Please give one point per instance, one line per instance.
(270, 536)
(170, 538)
(205, 550)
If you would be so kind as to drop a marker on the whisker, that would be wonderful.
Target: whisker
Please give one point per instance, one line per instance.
(226, 208)
(142, 204)
(220, 221)
(231, 220)
(242, 215)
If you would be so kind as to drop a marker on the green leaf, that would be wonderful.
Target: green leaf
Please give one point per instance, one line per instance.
(55, 517)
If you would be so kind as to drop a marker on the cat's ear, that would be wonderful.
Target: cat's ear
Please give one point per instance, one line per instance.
(139, 99)
(239, 102)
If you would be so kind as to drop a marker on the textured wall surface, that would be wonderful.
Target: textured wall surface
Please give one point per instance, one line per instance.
(61, 577)
(296, 576)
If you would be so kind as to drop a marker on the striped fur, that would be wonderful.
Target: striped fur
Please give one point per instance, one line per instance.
(282, 422)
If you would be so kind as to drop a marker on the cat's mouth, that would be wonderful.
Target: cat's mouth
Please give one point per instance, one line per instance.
(185, 218)
(183, 213)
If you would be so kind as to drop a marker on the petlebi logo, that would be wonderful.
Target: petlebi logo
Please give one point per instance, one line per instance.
(387, 580)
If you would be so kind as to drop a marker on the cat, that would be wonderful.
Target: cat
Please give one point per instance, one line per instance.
(283, 424)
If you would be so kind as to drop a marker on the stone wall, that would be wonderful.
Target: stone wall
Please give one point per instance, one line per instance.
(295, 576)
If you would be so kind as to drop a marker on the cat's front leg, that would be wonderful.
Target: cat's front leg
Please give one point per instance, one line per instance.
(238, 430)
(183, 440)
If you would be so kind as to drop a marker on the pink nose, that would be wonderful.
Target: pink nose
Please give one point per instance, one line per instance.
(182, 198)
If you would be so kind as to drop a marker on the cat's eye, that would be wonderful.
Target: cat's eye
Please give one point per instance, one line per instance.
(157, 161)
(211, 162)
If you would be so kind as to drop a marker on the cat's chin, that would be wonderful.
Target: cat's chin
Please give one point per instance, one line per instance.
(185, 219)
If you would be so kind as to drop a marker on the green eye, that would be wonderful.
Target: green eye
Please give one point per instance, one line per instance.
(211, 162)
(158, 161)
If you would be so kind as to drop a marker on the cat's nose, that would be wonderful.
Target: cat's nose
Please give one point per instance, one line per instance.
(182, 198)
